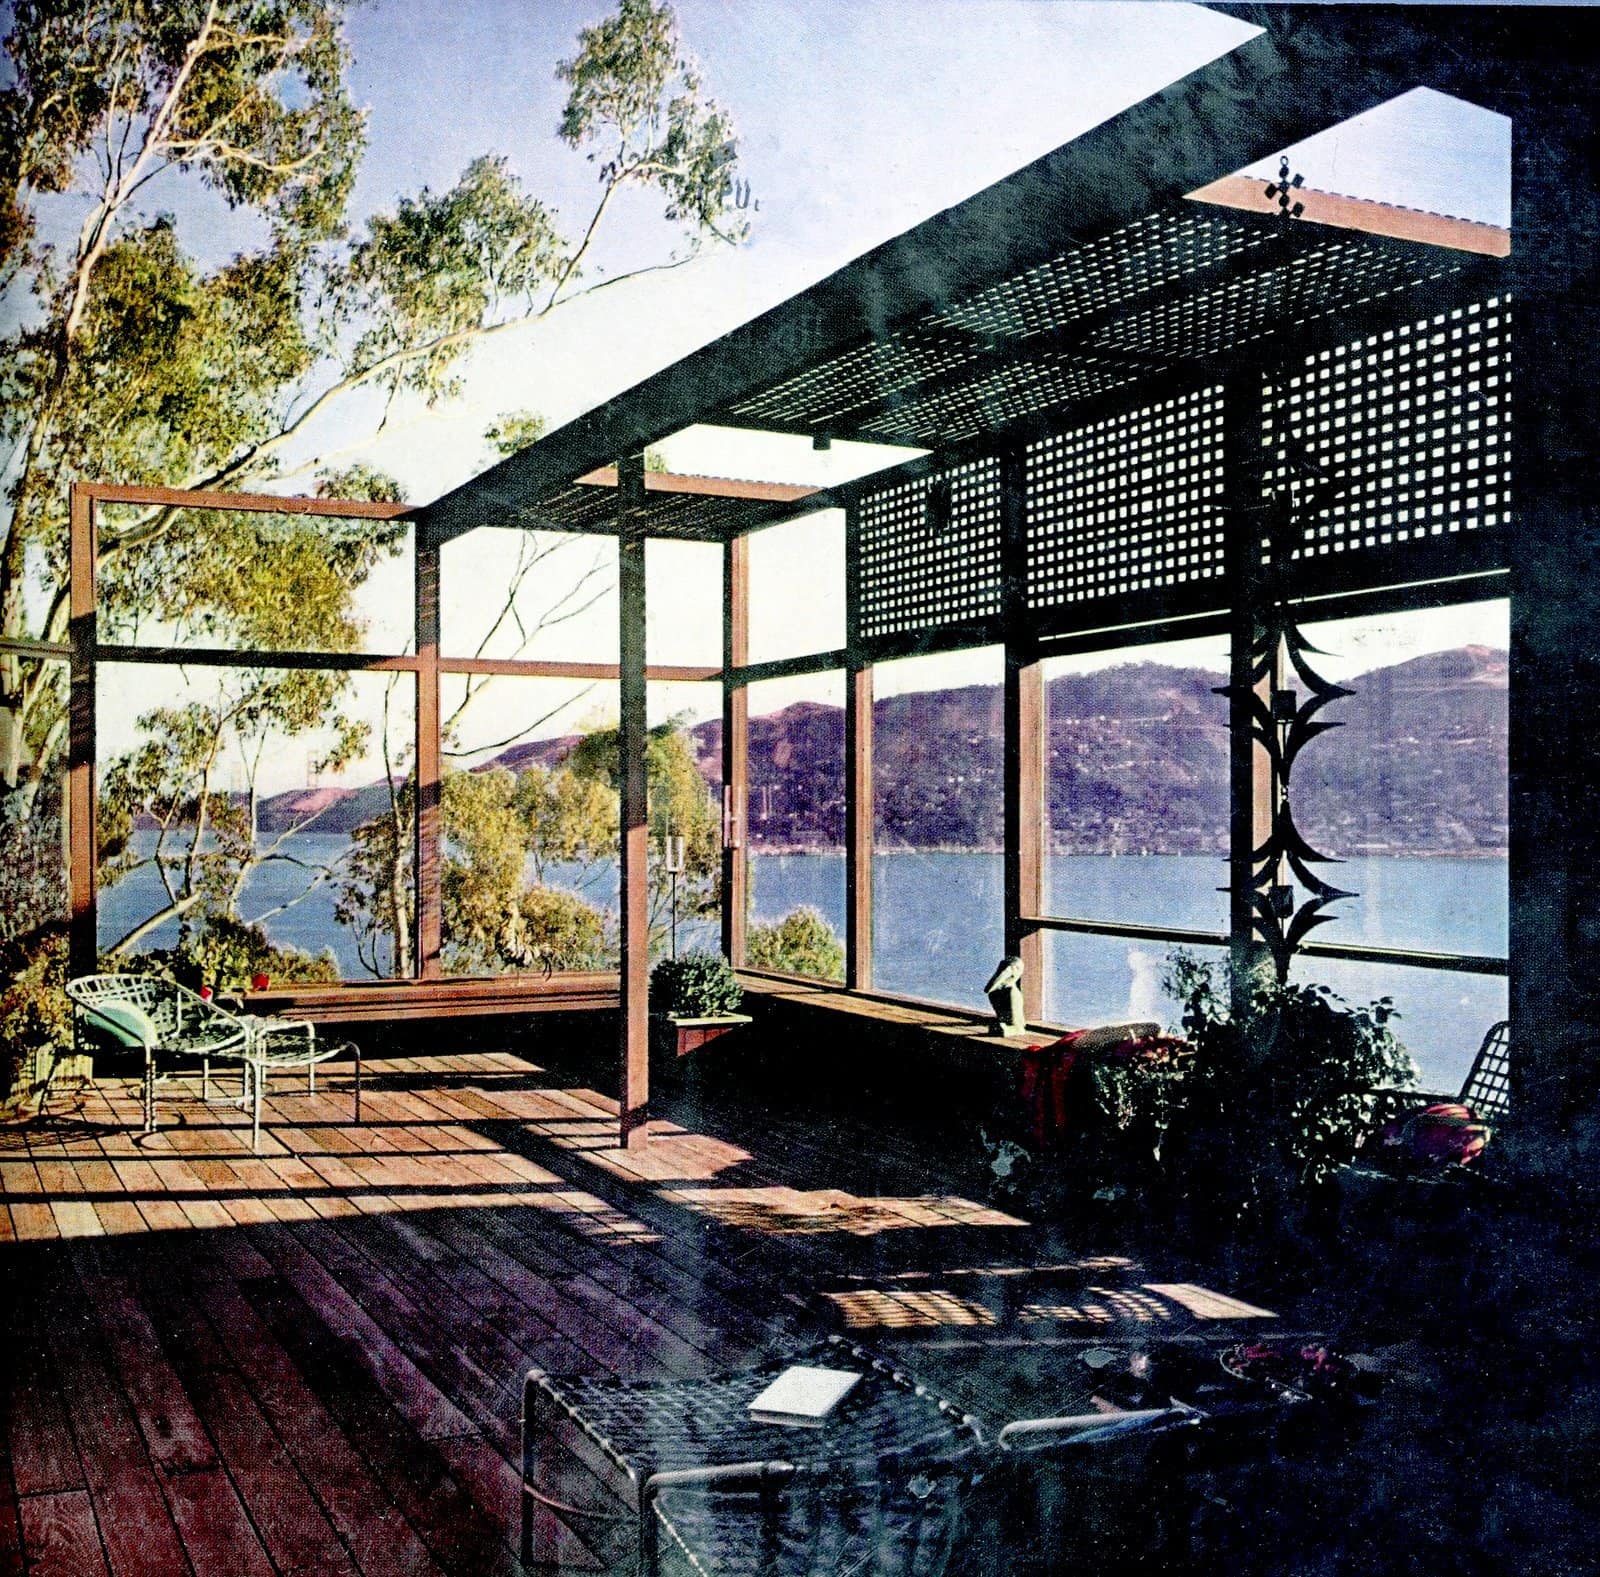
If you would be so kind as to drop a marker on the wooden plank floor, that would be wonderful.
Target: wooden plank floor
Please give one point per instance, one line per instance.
(309, 1360)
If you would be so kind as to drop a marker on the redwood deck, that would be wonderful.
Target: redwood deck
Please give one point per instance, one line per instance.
(309, 1360)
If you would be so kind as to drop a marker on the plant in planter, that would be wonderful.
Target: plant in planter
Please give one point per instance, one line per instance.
(700, 995)
(1278, 1097)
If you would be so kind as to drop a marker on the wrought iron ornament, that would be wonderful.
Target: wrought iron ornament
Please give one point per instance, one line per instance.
(1285, 724)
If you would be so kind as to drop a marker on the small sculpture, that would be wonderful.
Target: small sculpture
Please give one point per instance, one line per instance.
(1004, 992)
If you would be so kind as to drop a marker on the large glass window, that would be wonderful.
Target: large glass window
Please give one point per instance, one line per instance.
(795, 824)
(257, 821)
(247, 581)
(683, 603)
(797, 587)
(529, 820)
(938, 811)
(1136, 785)
(532, 595)
(1411, 794)
(1111, 979)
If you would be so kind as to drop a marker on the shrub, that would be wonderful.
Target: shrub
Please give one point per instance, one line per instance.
(227, 955)
(35, 1014)
(801, 943)
(1278, 1097)
(696, 985)
(561, 931)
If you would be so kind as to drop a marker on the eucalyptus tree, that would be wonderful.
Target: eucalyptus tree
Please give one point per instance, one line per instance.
(131, 360)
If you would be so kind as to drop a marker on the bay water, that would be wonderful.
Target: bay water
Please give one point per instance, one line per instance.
(937, 930)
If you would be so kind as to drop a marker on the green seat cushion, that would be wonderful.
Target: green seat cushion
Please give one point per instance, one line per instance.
(127, 1024)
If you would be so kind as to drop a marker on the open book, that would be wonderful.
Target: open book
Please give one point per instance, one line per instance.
(803, 1396)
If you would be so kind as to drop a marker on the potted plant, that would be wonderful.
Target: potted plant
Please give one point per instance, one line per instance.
(1278, 1096)
(696, 999)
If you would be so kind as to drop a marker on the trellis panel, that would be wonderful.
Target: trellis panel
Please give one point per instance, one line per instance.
(1129, 504)
(1416, 422)
(930, 550)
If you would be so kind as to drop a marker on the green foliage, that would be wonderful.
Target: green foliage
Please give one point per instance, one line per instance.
(636, 99)
(227, 955)
(428, 276)
(515, 430)
(132, 362)
(376, 896)
(35, 1014)
(561, 931)
(801, 943)
(1279, 1095)
(695, 985)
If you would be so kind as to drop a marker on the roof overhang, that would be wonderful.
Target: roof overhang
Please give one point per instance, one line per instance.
(1080, 277)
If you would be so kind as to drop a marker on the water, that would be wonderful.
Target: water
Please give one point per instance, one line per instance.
(938, 932)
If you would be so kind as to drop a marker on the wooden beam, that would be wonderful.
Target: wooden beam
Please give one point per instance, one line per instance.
(634, 817)
(525, 668)
(253, 503)
(428, 874)
(735, 746)
(1024, 725)
(707, 486)
(1249, 192)
(82, 841)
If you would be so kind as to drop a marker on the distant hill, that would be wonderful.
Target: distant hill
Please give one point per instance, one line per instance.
(1137, 762)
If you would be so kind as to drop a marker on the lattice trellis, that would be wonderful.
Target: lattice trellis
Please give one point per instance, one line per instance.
(1128, 504)
(930, 550)
(1415, 421)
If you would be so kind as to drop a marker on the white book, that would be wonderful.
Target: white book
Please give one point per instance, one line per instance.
(803, 1395)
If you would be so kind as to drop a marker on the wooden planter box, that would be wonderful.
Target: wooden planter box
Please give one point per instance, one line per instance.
(677, 1037)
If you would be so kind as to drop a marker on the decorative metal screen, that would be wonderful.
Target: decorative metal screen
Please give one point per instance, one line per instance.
(1128, 504)
(1414, 425)
(930, 550)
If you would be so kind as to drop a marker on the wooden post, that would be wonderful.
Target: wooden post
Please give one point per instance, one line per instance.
(83, 943)
(735, 746)
(429, 897)
(1554, 749)
(1024, 725)
(858, 800)
(634, 825)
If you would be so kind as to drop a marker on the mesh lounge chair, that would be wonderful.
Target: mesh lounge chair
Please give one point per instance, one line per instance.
(695, 1484)
(167, 1021)
(164, 1020)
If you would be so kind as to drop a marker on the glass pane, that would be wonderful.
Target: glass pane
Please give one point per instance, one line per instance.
(1136, 785)
(257, 821)
(683, 603)
(507, 594)
(529, 863)
(255, 582)
(938, 811)
(685, 804)
(1443, 1016)
(796, 920)
(797, 587)
(1111, 980)
(1411, 791)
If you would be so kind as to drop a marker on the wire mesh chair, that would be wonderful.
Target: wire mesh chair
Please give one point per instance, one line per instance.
(162, 1019)
(703, 1484)
(1486, 1089)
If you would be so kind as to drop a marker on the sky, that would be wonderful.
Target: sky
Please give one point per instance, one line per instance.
(856, 120)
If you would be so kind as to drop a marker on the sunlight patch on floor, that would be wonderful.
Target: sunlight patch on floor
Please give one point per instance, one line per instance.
(786, 1212)
(894, 1310)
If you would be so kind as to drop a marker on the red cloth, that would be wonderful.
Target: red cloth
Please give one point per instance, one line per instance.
(1046, 1071)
